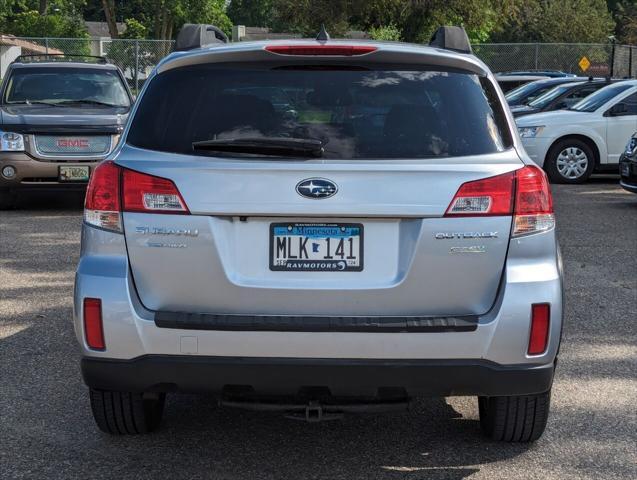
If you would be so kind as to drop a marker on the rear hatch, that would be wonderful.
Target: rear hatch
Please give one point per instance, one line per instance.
(360, 227)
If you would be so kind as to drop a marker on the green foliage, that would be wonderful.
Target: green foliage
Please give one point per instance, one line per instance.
(32, 24)
(255, 13)
(389, 33)
(569, 21)
(62, 18)
(410, 20)
(625, 15)
(134, 29)
(306, 16)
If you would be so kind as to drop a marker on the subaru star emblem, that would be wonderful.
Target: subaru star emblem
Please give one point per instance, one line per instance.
(316, 188)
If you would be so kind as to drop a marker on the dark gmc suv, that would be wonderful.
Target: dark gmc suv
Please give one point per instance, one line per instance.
(59, 117)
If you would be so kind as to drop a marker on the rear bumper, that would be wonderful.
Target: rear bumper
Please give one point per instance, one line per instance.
(628, 172)
(168, 373)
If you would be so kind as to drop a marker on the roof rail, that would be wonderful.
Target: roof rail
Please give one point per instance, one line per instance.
(57, 57)
(451, 38)
(198, 35)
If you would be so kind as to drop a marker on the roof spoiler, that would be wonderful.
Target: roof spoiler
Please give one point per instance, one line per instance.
(197, 35)
(45, 57)
(451, 38)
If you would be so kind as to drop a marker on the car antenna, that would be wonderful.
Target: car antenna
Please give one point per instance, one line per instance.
(322, 36)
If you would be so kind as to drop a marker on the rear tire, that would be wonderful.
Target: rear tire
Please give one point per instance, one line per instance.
(126, 413)
(514, 419)
(570, 161)
(7, 199)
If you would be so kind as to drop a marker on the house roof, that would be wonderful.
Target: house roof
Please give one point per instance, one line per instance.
(30, 47)
(100, 29)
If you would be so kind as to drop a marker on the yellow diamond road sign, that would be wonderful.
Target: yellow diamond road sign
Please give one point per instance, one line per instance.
(584, 63)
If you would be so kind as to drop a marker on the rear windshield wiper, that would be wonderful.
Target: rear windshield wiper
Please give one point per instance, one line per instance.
(271, 146)
(88, 102)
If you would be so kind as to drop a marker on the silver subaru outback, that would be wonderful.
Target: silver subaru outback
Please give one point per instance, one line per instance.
(320, 227)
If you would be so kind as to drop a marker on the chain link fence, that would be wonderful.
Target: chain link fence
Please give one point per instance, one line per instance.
(136, 58)
(506, 57)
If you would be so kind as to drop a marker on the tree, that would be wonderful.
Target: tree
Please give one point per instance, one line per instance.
(170, 15)
(569, 21)
(307, 16)
(35, 18)
(109, 13)
(625, 15)
(390, 32)
(255, 13)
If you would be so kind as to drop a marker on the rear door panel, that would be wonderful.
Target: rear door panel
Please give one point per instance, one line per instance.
(217, 259)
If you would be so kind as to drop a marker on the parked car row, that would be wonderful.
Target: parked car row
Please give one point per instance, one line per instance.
(578, 126)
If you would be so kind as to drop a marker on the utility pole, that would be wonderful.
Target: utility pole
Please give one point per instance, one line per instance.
(613, 41)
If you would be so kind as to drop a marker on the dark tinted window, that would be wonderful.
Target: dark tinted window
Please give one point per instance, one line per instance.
(599, 98)
(631, 104)
(65, 84)
(549, 96)
(356, 113)
(527, 93)
(579, 94)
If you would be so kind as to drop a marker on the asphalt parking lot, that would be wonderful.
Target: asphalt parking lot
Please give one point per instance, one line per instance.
(46, 429)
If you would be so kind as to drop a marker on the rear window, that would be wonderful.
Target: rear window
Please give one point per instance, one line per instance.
(59, 85)
(357, 112)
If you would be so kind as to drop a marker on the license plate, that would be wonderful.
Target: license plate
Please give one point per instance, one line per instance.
(625, 170)
(316, 247)
(73, 174)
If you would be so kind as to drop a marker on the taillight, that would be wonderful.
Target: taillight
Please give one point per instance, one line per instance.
(113, 190)
(330, 50)
(540, 322)
(93, 328)
(523, 193)
(488, 196)
(147, 193)
(533, 202)
(102, 205)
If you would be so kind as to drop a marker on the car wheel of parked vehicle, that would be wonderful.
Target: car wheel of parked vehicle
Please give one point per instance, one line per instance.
(519, 418)
(570, 161)
(7, 199)
(126, 413)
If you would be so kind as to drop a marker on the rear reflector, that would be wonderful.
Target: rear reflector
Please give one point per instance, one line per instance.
(146, 193)
(312, 50)
(523, 193)
(93, 328)
(540, 320)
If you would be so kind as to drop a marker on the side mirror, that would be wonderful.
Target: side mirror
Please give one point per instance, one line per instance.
(618, 109)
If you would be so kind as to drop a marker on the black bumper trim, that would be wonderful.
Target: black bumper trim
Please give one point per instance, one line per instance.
(341, 376)
(260, 323)
(84, 129)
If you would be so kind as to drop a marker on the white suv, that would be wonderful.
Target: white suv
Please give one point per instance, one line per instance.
(570, 144)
